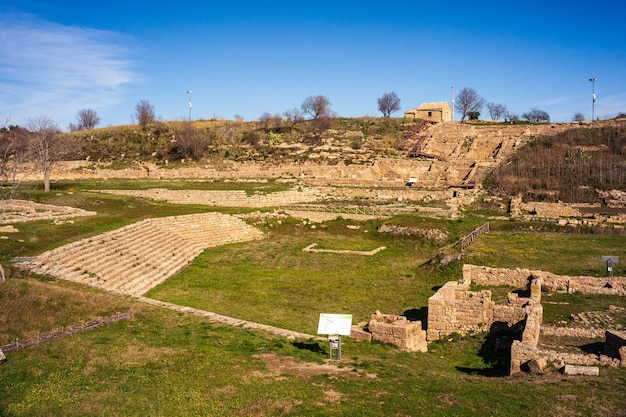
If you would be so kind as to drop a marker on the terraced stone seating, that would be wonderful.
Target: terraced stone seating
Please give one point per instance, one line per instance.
(136, 258)
(226, 198)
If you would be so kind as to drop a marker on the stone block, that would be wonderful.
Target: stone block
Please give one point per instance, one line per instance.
(536, 366)
(359, 334)
(2, 357)
(581, 370)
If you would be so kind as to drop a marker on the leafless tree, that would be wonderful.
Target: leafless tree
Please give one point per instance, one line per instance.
(45, 145)
(292, 118)
(496, 110)
(87, 119)
(144, 113)
(13, 152)
(270, 121)
(510, 117)
(191, 142)
(388, 103)
(468, 101)
(536, 115)
(579, 117)
(316, 107)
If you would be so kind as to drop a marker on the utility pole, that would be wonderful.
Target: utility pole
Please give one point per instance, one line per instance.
(453, 104)
(189, 94)
(593, 98)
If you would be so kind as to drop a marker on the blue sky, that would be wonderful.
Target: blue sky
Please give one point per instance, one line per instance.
(244, 58)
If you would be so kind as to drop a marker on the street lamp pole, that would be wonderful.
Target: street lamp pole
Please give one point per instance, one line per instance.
(189, 94)
(593, 98)
(453, 104)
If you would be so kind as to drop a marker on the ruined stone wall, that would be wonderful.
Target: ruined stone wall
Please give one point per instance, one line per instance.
(482, 275)
(398, 331)
(455, 309)
(525, 350)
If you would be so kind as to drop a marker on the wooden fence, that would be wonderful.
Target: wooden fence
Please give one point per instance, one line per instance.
(65, 331)
(470, 238)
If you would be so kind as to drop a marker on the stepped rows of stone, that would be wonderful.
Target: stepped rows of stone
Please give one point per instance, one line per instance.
(227, 198)
(20, 211)
(136, 258)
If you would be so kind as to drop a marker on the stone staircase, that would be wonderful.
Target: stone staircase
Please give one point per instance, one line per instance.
(136, 258)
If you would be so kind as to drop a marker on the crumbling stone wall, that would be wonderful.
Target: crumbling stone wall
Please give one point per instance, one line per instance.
(395, 330)
(482, 275)
(525, 350)
(455, 309)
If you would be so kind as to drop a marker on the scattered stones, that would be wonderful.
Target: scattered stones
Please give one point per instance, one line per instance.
(430, 234)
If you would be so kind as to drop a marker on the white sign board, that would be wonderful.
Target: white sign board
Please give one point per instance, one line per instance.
(335, 324)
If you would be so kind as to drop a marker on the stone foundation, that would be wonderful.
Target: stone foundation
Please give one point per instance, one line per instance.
(482, 275)
(393, 329)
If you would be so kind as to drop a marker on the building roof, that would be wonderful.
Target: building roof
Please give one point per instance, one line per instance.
(434, 105)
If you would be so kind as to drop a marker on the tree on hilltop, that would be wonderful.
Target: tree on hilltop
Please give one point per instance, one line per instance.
(496, 110)
(468, 101)
(388, 103)
(536, 115)
(87, 119)
(144, 113)
(318, 107)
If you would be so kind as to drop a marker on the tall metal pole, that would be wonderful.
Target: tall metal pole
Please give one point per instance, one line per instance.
(189, 94)
(593, 98)
(453, 104)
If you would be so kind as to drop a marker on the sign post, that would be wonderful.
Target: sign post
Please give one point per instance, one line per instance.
(610, 261)
(335, 326)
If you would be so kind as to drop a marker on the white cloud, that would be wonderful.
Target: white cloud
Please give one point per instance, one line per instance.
(53, 69)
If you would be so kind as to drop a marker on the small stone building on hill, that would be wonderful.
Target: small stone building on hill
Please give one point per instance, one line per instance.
(435, 112)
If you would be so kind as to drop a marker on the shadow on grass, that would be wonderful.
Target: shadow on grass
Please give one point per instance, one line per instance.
(311, 347)
(596, 348)
(416, 314)
(495, 351)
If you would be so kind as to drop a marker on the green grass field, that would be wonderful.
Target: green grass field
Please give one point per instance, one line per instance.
(167, 363)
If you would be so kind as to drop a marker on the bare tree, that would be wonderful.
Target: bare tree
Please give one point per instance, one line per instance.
(496, 110)
(292, 118)
(144, 112)
(13, 152)
(45, 145)
(388, 103)
(536, 115)
(87, 119)
(579, 117)
(316, 106)
(510, 117)
(270, 121)
(191, 142)
(468, 101)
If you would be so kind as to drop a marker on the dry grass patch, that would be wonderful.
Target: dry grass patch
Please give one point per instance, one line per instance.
(281, 365)
(30, 306)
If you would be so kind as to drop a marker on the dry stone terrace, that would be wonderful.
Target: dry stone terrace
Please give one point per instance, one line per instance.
(228, 198)
(136, 258)
(20, 211)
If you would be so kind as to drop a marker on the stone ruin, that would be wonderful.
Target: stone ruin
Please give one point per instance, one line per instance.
(393, 329)
(455, 309)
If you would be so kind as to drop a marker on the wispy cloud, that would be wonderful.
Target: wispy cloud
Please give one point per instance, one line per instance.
(53, 69)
